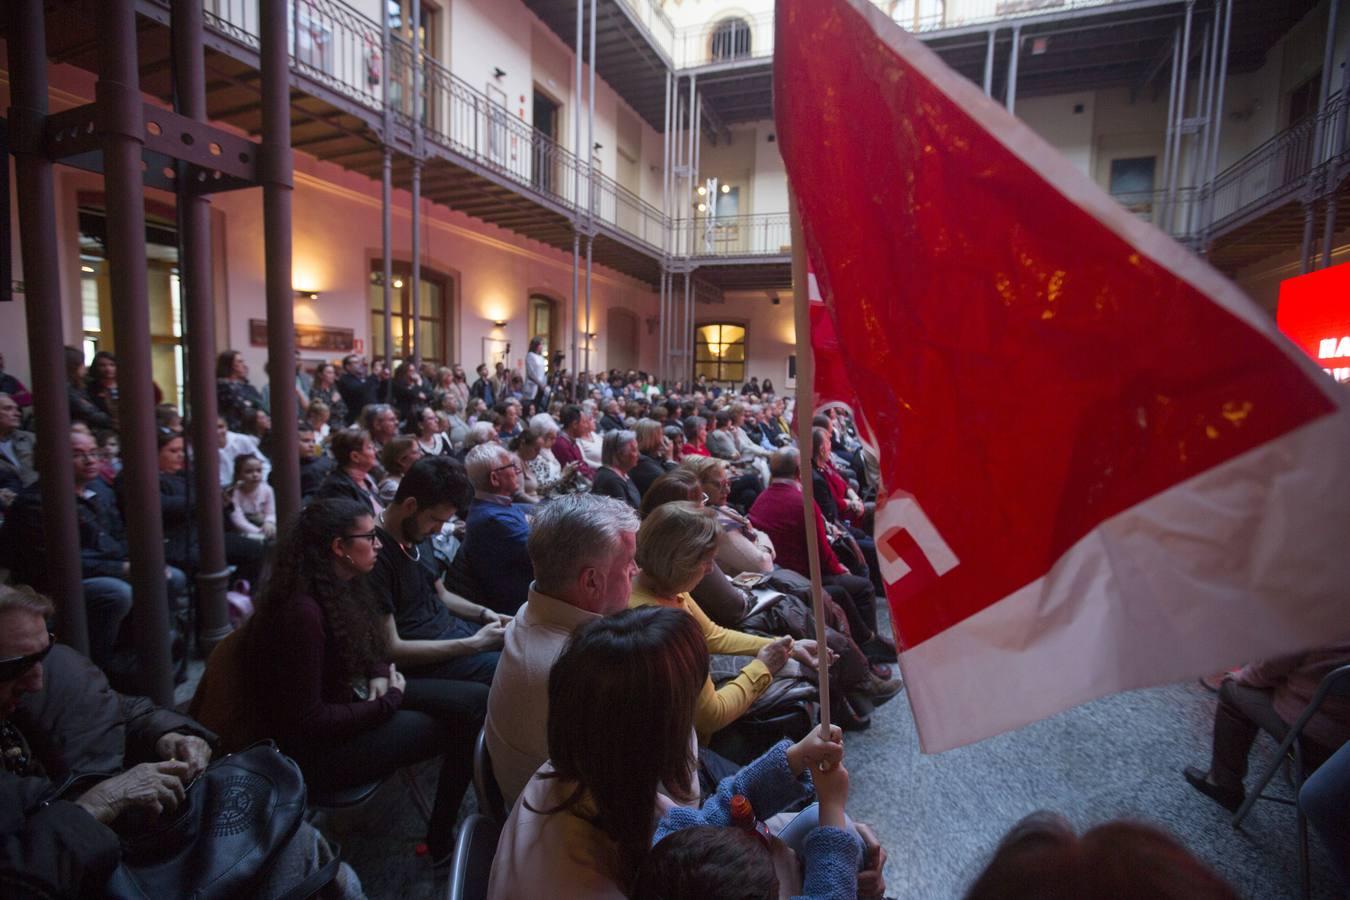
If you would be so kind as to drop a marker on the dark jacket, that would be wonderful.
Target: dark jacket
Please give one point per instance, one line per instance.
(180, 532)
(313, 471)
(339, 484)
(648, 469)
(495, 553)
(357, 393)
(76, 725)
(611, 423)
(484, 390)
(611, 484)
(102, 551)
(82, 409)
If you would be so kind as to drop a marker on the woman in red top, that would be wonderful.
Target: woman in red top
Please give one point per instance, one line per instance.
(695, 437)
(322, 681)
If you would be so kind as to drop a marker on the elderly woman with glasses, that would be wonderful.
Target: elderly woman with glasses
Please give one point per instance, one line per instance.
(676, 548)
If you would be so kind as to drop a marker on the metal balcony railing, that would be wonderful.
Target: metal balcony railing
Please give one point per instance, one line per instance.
(339, 47)
(761, 234)
(1276, 170)
(737, 37)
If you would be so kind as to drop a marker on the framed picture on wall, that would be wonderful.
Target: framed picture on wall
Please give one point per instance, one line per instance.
(496, 351)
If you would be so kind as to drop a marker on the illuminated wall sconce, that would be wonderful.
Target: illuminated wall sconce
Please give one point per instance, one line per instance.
(500, 323)
(306, 295)
(592, 334)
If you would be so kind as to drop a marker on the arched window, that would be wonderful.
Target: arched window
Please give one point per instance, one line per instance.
(719, 352)
(730, 39)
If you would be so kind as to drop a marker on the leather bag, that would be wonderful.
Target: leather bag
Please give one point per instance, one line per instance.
(238, 814)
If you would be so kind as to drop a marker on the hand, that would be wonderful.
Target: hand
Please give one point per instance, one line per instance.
(489, 616)
(377, 688)
(773, 655)
(489, 637)
(269, 530)
(396, 680)
(813, 750)
(871, 883)
(186, 748)
(832, 792)
(157, 787)
(804, 652)
(7, 496)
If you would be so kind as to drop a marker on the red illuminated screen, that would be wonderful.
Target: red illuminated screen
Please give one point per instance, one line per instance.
(1314, 312)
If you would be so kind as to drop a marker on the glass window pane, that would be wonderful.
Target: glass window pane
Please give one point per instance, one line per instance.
(431, 299)
(430, 337)
(733, 352)
(377, 333)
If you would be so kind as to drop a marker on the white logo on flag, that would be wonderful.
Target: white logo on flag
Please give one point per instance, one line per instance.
(904, 514)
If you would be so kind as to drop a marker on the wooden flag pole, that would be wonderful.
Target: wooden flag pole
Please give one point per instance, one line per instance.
(806, 366)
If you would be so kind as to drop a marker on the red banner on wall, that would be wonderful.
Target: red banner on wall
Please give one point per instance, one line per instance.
(1314, 313)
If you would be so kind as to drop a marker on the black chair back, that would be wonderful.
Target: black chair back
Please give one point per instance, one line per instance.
(485, 789)
(474, 849)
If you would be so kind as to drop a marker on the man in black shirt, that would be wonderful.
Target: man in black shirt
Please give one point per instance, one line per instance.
(432, 633)
(358, 389)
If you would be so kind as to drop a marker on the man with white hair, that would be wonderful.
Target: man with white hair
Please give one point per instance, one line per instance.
(496, 530)
(619, 457)
(582, 548)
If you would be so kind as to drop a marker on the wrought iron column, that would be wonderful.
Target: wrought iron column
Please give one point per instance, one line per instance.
(415, 282)
(989, 64)
(590, 180)
(275, 173)
(122, 135)
(1167, 161)
(1320, 155)
(590, 244)
(1177, 127)
(576, 197)
(1338, 135)
(386, 195)
(1010, 92)
(42, 307)
(194, 238)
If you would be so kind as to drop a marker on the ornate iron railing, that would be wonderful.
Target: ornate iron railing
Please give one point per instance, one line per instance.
(1280, 167)
(340, 48)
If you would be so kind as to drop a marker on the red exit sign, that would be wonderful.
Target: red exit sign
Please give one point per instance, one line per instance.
(1314, 312)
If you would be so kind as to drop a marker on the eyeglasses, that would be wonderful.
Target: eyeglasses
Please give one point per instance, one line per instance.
(16, 666)
(363, 536)
(512, 465)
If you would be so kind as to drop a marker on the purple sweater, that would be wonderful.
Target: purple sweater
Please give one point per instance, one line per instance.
(309, 703)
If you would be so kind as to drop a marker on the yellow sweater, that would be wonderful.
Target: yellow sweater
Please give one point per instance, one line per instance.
(718, 707)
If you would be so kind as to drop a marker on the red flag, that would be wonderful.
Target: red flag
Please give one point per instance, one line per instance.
(1105, 468)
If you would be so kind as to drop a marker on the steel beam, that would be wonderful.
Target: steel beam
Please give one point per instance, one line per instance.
(1010, 91)
(989, 65)
(27, 43)
(118, 93)
(194, 242)
(275, 171)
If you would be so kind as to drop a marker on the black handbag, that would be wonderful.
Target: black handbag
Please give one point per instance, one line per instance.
(238, 814)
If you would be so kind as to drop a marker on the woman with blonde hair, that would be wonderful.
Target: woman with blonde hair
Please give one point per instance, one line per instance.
(676, 546)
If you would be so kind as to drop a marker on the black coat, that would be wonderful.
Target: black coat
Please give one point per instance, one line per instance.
(357, 393)
(102, 550)
(611, 484)
(648, 469)
(75, 725)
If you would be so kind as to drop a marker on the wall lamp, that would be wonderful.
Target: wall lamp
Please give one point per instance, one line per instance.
(500, 323)
(306, 295)
(498, 72)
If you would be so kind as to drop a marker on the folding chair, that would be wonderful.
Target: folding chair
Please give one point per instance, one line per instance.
(1336, 683)
(485, 789)
(474, 849)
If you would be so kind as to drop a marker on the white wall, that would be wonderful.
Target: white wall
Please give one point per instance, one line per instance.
(1066, 121)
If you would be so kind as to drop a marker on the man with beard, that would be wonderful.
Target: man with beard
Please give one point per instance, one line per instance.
(432, 632)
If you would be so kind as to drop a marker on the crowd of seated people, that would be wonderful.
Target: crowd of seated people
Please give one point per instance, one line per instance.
(526, 561)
